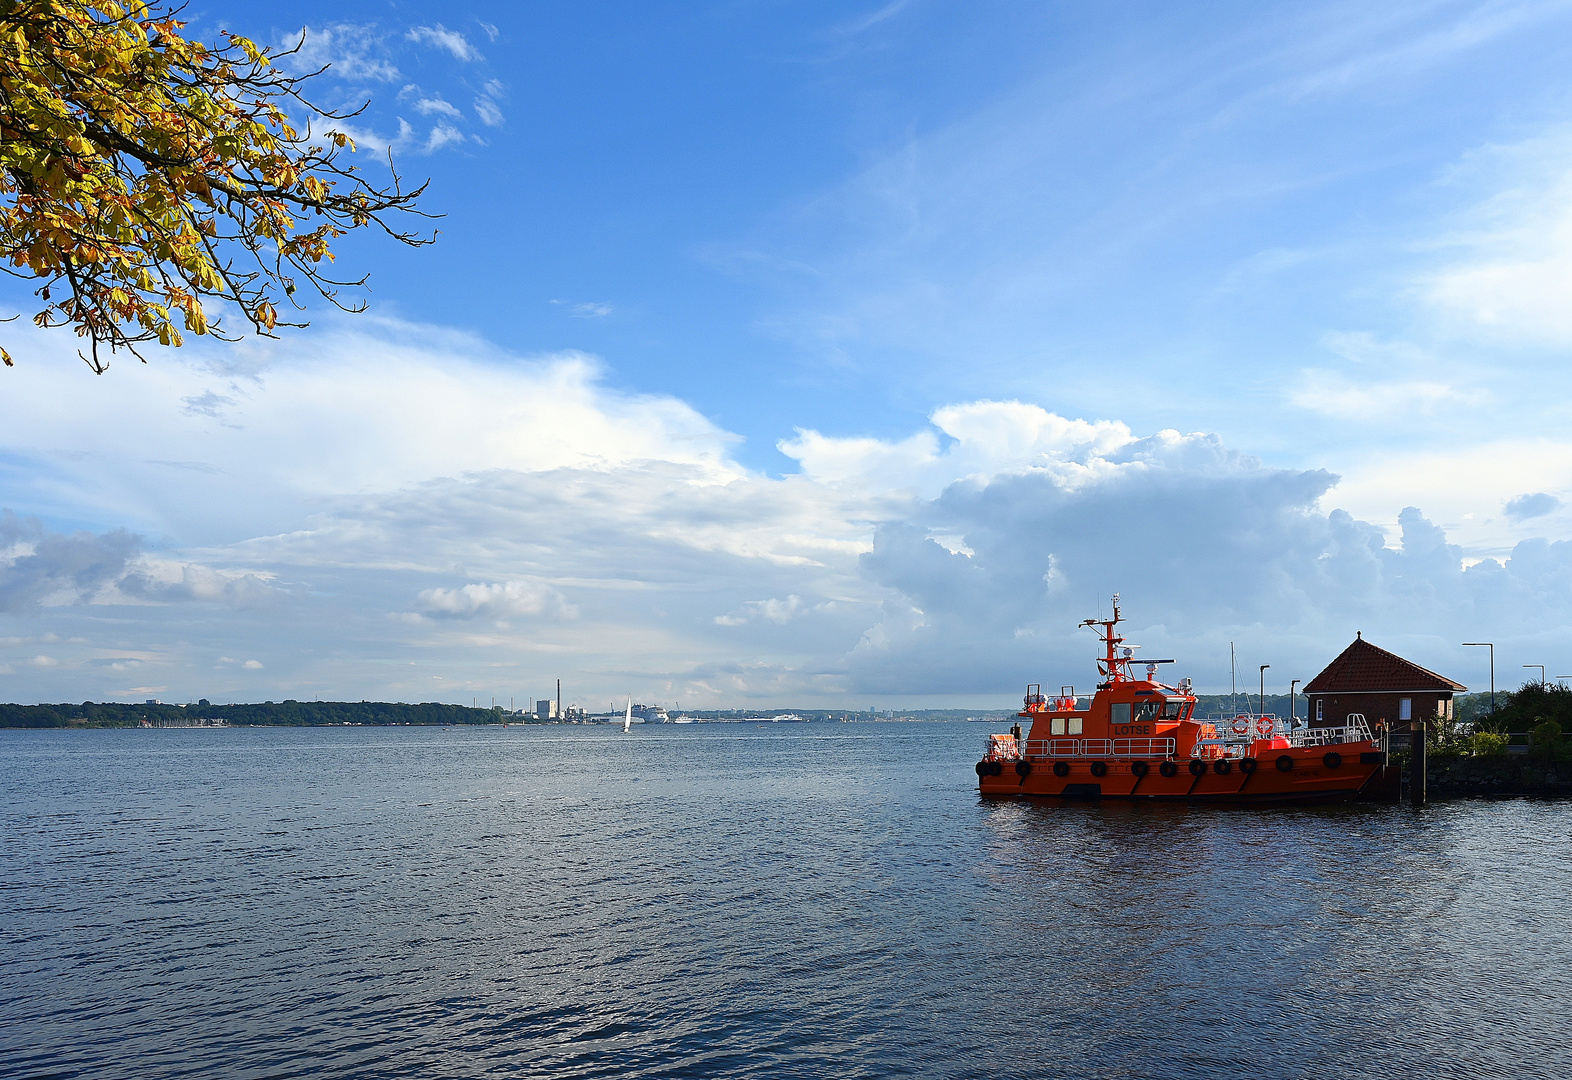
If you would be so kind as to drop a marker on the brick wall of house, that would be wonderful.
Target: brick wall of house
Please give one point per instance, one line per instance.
(1379, 708)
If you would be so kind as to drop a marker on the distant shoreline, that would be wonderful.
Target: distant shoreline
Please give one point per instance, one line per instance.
(390, 714)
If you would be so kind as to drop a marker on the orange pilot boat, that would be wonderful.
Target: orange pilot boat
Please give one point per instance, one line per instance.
(1138, 739)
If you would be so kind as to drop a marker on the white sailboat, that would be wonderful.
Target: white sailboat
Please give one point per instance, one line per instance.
(627, 720)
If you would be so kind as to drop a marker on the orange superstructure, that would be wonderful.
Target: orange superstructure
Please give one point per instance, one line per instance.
(1137, 739)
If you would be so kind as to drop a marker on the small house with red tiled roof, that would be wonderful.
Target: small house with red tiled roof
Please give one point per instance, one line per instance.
(1384, 687)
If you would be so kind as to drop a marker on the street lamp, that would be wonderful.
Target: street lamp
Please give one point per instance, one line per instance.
(1541, 668)
(1293, 713)
(1492, 647)
(1263, 688)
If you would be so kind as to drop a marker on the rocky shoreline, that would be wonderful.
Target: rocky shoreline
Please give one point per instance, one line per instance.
(1460, 777)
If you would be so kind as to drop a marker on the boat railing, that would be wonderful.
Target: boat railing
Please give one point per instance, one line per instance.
(1100, 748)
(1145, 747)
(1354, 729)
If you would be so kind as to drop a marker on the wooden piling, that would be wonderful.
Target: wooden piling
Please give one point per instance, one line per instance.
(1416, 765)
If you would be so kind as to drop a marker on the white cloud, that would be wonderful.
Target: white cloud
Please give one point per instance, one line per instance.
(772, 610)
(44, 661)
(436, 106)
(1534, 505)
(546, 525)
(1512, 276)
(596, 309)
(489, 113)
(442, 135)
(450, 41)
(1334, 394)
(495, 601)
(350, 51)
(371, 141)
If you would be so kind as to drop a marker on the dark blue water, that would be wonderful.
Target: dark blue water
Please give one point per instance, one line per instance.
(729, 900)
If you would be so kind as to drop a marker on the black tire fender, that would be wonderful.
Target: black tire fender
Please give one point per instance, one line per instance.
(995, 768)
(1247, 765)
(1332, 760)
(1023, 769)
(1222, 766)
(1169, 768)
(982, 768)
(1139, 768)
(1099, 768)
(1061, 768)
(1285, 763)
(1197, 767)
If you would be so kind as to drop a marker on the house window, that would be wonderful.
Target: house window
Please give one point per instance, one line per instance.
(1405, 708)
(1317, 710)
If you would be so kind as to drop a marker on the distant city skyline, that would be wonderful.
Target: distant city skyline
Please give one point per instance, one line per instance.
(820, 356)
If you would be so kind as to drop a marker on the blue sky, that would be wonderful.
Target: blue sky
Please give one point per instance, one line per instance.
(745, 319)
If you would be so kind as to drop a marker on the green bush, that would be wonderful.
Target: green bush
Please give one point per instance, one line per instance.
(1545, 742)
(1485, 744)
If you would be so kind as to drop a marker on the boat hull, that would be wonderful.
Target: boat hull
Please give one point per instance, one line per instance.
(1310, 779)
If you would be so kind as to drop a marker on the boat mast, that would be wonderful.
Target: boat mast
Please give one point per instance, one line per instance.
(1111, 664)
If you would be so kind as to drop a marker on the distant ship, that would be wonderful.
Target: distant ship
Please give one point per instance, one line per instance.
(650, 714)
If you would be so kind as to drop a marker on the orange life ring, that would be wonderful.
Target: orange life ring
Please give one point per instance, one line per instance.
(1266, 727)
(1241, 725)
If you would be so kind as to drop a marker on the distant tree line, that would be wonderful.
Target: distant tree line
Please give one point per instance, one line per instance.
(285, 713)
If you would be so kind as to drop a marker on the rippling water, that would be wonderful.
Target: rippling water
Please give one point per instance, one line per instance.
(741, 900)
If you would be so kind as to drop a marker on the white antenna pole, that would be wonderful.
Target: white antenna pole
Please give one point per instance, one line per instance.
(1233, 673)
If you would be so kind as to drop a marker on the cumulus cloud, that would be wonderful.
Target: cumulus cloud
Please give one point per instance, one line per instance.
(1537, 504)
(169, 582)
(496, 600)
(39, 567)
(772, 610)
(42, 568)
(543, 524)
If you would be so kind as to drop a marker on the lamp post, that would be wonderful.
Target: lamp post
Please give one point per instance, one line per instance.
(1541, 668)
(1263, 688)
(1293, 713)
(1492, 647)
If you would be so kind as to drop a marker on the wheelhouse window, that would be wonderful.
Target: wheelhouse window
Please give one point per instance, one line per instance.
(1119, 712)
(1173, 709)
(1146, 711)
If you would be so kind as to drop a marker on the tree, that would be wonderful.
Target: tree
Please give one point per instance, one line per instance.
(146, 179)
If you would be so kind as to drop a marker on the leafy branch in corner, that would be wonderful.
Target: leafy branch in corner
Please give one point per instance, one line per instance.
(146, 178)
